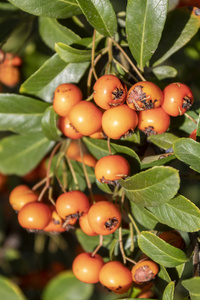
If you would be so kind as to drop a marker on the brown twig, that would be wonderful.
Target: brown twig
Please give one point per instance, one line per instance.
(47, 185)
(129, 60)
(99, 246)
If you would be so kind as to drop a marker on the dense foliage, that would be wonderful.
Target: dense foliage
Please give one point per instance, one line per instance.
(77, 42)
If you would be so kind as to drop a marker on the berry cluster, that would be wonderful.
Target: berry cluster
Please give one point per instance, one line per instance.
(117, 111)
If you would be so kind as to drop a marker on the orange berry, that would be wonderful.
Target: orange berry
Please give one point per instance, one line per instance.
(65, 96)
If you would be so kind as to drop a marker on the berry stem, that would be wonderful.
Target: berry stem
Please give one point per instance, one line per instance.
(129, 60)
(196, 261)
(50, 197)
(85, 171)
(190, 118)
(108, 69)
(108, 143)
(134, 224)
(99, 246)
(73, 173)
(93, 55)
(126, 70)
(48, 182)
(125, 258)
(89, 79)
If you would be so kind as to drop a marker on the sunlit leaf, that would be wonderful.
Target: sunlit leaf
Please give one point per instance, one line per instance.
(54, 9)
(101, 15)
(19, 154)
(49, 124)
(192, 285)
(52, 73)
(169, 291)
(21, 114)
(9, 290)
(188, 151)
(72, 55)
(152, 187)
(160, 251)
(51, 31)
(163, 72)
(144, 24)
(179, 213)
(67, 286)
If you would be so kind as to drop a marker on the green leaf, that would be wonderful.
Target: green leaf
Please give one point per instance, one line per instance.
(67, 286)
(143, 216)
(59, 33)
(192, 285)
(180, 27)
(72, 55)
(104, 187)
(9, 290)
(21, 114)
(163, 72)
(152, 187)
(144, 24)
(178, 213)
(89, 243)
(55, 9)
(188, 151)
(52, 73)
(19, 154)
(156, 160)
(101, 15)
(49, 125)
(163, 274)
(164, 140)
(160, 251)
(169, 292)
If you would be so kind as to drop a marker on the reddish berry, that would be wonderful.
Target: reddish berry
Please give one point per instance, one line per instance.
(178, 98)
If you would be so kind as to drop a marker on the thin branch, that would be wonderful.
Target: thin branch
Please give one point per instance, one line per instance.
(129, 60)
(99, 246)
(134, 224)
(47, 185)
(125, 69)
(89, 80)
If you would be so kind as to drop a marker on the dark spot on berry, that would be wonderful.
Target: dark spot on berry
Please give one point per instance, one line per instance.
(186, 102)
(150, 131)
(111, 223)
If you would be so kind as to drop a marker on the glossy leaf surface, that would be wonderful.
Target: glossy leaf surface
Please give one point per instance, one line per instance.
(101, 15)
(144, 24)
(152, 187)
(160, 251)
